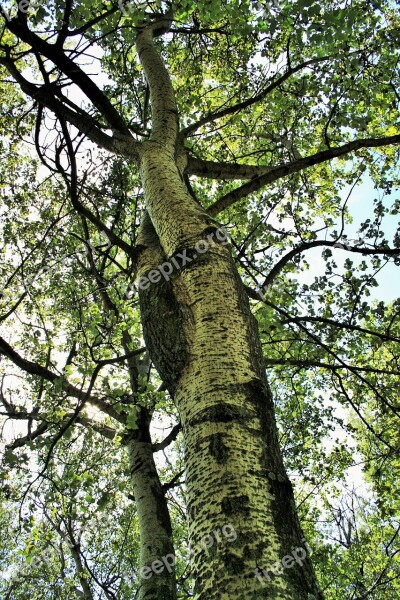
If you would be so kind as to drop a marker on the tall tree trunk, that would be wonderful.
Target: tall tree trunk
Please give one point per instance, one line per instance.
(234, 470)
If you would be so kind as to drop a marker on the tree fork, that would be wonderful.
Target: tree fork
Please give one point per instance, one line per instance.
(234, 469)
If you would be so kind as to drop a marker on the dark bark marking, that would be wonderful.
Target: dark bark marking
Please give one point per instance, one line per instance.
(235, 504)
(218, 449)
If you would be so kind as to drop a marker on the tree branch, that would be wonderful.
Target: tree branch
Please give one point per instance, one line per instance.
(82, 120)
(63, 34)
(304, 364)
(104, 430)
(253, 294)
(171, 437)
(332, 244)
(13, 308)
(342, 325)
(250, 101)
(223, 170)
(53, 52)
(289, 168)
(94, 21)
(174, 481)
(20, 442)
(162, 98)
(71, 390)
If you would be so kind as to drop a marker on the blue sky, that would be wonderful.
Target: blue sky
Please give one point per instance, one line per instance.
(361, 207)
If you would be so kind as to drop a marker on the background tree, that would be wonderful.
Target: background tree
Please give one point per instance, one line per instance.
(151, 122)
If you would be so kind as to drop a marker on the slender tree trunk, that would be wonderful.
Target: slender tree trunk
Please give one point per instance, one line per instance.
(234, 471)
(157, 557)
(81, 571)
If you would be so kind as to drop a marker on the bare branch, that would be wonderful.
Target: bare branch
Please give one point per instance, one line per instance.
(174, 481)
(310, 364)
(81, 120)
(171, 437)
(70, 68)
(223, 170)
(13, 308)
(102, 429)
(342, 325)
(20, 442)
